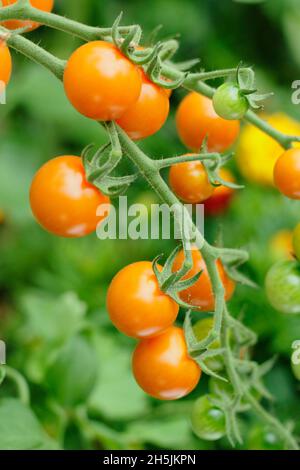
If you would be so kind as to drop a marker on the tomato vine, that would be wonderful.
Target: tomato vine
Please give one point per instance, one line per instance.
(243, 374)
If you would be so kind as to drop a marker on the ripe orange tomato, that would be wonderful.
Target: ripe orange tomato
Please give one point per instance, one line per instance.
(221, 197)
(135, 303)
(148, 114)
(62, 200)
(44, 5)
(163, 368)
(197, 119)
(201, 294)
(190, 182)
(5, 63)
(100, 82)
(287, 173)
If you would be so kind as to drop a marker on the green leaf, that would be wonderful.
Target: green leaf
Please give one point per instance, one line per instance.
(50, 318)
(116, 394)
(20, 429)
(72, 375)
(171, 433)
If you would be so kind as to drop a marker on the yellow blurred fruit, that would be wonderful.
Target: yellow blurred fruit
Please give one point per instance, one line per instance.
(1, 217)
(281, 245)
(257, 152)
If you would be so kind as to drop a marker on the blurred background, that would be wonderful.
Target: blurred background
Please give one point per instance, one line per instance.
(51, 288)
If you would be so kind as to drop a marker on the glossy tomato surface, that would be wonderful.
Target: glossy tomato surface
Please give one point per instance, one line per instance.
(100, 82)
(229, 102)
(201, 294)
(190, 182)
(135, 303)
(196, 119)
(287, 173)
(61, 199)
(163, 368)
(44, 5)
(148, 114)
(5, 63)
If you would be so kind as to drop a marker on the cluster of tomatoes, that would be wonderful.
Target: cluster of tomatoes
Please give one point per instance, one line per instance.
(138, 308)
(104, 85)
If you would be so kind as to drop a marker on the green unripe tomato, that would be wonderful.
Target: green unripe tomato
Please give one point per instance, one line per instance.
(263, 438)
(296, 241)
(208, 421)
(201, 330)
(283, 286)
(229, 102)
(72, 375)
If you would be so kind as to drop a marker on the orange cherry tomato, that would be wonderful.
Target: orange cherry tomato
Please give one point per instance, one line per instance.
(44, 5)
(190, 182)
(221, 197)
(5, 63)
(197, 119)
(100, 82)
(62, 200)
(287, 173)
(148, 114)
(135, 303)
(163, 368)
(201, 294)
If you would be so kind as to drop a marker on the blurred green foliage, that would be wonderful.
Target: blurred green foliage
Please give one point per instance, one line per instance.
(52, 302)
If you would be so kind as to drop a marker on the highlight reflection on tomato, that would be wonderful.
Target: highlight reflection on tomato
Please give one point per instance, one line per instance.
(163, 368)
(63, 201)
(100, 82)
(135, 303)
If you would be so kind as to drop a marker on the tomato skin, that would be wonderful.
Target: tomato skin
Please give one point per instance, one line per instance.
(197, 119)
(263, 438)
(44, 5)
(100, 82)
(208, 421)
(61, 199)
(287, 173)
(5, 63)
(190, 182)
(296, 241)
(257, 152)
(229, 103)
(136, 305)
(201, 294)
(148, 114)
(163, 368)
(222, 196)
(283, 286)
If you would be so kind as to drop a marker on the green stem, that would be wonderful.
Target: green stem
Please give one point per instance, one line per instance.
(195, 77)
(167, 162)
(21, 384)
(24, 11)
(151, 172)
(33, 52)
